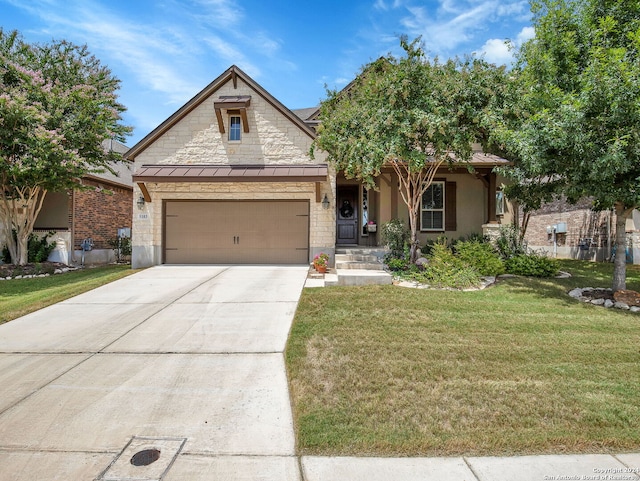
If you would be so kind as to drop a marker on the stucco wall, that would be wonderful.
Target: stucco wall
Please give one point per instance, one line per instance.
(471, 205)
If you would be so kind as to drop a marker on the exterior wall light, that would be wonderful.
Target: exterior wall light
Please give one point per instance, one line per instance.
(140, 202)
(325, 202)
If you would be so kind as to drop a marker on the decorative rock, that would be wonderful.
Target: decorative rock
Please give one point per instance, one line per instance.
(630, 298)
(575, 293)
(563, 275)
(597, 302)
(58, 271)
(18, 277)
(621, 305)
(608, 303)
(422, 261)
(634, 309)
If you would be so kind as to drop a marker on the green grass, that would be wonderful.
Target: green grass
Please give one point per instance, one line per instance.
(519, 368)
(22, 296)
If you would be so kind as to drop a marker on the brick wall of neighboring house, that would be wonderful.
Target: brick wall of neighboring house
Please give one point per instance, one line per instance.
(590, 235)
(582, 223)
(100, 212)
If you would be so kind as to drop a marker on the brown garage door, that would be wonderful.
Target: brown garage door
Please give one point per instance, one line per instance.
(236, 232)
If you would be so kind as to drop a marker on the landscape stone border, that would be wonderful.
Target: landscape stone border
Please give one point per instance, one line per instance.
(31, 276)
(593, 295)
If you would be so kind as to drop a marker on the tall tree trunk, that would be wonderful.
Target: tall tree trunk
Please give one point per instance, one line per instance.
(620, 263)
(413, 225)
(526, 216)
(414, 183)
(19, 212)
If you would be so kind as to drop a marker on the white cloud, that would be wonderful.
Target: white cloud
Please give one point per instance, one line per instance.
(457, 22)
(219, 13)
(232, 55)
(525, 34)
(502, 51)
(496, 51)
(384, 5)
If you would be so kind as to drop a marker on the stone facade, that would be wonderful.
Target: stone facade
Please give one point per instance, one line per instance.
(273, 139)
(196, 139)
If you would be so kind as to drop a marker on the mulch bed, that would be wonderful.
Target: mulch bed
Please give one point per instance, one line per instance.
(11, 270)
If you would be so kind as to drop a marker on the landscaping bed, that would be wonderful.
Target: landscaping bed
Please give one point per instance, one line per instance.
(8, 271)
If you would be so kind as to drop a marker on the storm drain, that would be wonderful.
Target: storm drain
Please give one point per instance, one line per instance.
(144, 459)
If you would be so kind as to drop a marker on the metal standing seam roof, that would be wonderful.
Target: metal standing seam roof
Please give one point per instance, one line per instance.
(231, 173)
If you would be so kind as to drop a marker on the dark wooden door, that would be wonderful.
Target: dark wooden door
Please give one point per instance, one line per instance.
(347, 215)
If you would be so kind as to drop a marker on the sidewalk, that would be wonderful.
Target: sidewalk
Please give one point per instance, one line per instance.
(599, 467)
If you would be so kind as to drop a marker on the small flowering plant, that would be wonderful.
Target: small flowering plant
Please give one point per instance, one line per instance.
(321, 260)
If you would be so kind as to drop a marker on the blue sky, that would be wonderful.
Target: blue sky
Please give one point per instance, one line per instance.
(166, 51)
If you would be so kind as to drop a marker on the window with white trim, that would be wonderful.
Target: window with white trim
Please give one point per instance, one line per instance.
(432, 208)
(235, 127)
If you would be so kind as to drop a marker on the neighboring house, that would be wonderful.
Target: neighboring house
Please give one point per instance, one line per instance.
(228, 179)
(96, 213)
(578, 232)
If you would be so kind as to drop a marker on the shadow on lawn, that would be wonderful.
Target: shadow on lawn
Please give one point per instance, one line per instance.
(583, 274)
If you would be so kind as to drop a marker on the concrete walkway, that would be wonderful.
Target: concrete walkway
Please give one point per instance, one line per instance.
(185, 364)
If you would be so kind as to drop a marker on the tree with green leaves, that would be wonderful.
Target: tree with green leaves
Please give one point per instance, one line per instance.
(57, 105)
(410, 113)
(572, 125)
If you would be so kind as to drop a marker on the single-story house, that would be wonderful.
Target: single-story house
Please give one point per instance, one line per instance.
(94, 214)
(228, 179)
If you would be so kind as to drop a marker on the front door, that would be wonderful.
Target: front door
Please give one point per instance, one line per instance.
(347, 215)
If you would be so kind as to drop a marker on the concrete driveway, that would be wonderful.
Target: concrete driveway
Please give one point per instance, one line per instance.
(186, 361)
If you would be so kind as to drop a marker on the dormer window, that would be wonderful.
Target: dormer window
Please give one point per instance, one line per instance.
(235, 123)
(236, 109)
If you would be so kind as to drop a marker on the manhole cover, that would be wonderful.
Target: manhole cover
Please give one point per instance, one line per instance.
(145, 457)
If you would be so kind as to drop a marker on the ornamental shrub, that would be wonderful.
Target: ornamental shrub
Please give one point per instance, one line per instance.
(447, 270)
(533, 265)
(481, 256)
(38, 248)
(395, 264)
(509, 243)
(395, 235)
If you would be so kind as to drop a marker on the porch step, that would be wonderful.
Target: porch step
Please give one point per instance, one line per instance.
(371, 266)
(361, 266)
(362, 277)
(357, 258)
(368, 251)
(354, 266)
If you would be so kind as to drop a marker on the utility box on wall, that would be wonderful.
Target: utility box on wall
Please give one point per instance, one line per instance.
(561, 228)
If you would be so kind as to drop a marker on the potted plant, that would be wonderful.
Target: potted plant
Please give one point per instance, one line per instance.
(321, 262)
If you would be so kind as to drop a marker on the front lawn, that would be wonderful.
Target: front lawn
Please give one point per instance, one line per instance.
(22, 296)
(518, 368)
